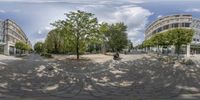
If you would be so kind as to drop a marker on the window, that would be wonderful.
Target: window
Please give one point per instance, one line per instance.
(176, 25)
(159, 29)
(177, 15)
(1, 38)
(183, 25)
(9, 31)
(187, 24)
(166, 27)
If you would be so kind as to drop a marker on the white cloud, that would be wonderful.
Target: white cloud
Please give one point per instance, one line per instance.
(48, 28)
(15, 10)
(136, 18)
(9, 11)
(45, 30)
(159, 16)
(110, 11)
(78, 1)
(42, 34)
(2, 11)
(38, 40)
(193, 10)
(133, 16)
(39, 31)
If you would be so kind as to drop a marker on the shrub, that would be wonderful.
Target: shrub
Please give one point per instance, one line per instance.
(161, 59)
(48, 55)
(189, 62)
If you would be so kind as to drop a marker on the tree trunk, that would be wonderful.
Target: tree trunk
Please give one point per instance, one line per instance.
(167, 51)
(20, 54)
(178, 51)
(56, 46)
(77, 48)
(158, 50)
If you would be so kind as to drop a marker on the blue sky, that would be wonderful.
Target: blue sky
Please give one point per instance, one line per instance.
(35, 16)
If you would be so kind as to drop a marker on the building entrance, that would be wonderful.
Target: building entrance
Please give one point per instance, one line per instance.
(11, 50)
(1, 49)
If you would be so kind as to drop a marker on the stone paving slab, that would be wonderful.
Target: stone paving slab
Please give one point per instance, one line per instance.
(136, 77)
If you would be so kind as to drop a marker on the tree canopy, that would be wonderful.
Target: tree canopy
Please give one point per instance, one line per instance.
(176, 37)
(115, 35)
(39, 47)
(21, 45)
(80, 28)
(80, 32)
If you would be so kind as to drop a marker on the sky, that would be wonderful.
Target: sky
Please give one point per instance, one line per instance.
(35, 16)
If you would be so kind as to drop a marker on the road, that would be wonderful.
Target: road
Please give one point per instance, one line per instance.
(37, 78)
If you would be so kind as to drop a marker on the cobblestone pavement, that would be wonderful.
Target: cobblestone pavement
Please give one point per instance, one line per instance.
(144, 78)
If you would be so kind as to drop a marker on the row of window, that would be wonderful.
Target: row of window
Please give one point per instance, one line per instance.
(14, 27)
(11, 39)
(168, 21)
(15, 34)
(174, 25)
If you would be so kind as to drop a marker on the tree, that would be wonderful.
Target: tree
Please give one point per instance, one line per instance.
(180, 36)
(54, 42)
(158, 40)
(176, 37)
(130, 45)
(104, 30)
(39, 47)
(21, 46)
(80, 28)
(117, 36)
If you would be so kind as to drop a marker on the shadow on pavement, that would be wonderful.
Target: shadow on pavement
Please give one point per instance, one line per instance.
(141, 79)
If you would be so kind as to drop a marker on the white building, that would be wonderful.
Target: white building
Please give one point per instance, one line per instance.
(177, 21)
(10, 33)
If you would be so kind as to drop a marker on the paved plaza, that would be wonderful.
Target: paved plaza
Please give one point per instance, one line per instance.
(135, 77)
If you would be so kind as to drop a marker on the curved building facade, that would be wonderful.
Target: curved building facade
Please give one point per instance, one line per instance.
(10, 33)
(176, 21)
(168, 22)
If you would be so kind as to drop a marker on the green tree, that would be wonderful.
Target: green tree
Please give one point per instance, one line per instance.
(54, 42)
(80, 28)
(39, 47)
(21, 46)
(130, 45)
(104, 30)
(158, 40)
(176, 37)
(117, 36)
(180, 36)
